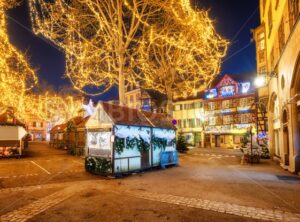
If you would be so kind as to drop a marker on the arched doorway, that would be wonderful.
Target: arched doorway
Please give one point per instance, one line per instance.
(286, 144)
(274, 126)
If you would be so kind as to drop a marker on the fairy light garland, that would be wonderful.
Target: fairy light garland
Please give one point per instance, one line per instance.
(103, 49)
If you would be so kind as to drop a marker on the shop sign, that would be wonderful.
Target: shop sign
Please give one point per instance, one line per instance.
(223, 111)
(243, 109)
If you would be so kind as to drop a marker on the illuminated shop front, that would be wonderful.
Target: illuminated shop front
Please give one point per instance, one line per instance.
(229, 110)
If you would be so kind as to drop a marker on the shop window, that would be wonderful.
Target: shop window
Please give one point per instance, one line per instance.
(228, 119)
(237, 139)
(212, 121)
(227, 139)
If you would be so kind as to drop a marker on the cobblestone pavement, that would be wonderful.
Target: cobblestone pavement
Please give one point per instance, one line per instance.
(228, 208)
(35, 208)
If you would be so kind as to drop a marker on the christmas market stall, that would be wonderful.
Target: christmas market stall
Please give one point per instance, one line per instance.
(58, 136)
(12, 131)
(123, 140)
(76, 137)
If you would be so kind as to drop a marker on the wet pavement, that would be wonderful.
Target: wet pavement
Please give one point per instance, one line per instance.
(208, 185)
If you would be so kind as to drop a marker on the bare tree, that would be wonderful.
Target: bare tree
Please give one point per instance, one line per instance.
(181, 52)
(17, 78)
(99, 38)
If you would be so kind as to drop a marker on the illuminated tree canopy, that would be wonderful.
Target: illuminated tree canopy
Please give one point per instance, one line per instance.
(17, 79)
(181, 53)
(99, 38)
(157, 42)
(16, 76)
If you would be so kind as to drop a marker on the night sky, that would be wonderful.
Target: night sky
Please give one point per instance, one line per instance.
(230, 18)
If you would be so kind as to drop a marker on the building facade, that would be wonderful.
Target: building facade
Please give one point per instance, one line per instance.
(147, 100)
(38, 129)
(230, 111)
(189, 114)
(278, 61)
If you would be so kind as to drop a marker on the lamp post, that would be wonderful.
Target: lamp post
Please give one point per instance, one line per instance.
(259, 82)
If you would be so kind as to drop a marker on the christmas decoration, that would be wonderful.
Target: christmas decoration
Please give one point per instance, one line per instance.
(165, 45)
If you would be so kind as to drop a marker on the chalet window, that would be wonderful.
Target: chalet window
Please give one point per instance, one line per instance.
(270, 19)
(281, 37)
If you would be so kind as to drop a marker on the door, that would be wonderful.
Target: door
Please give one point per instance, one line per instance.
(286, 145)
(145, 159)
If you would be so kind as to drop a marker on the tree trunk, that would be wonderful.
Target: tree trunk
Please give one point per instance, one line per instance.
(169, 101)
(121, 55)
(121, 85)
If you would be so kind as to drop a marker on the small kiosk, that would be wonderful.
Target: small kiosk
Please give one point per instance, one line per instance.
(12, 131)
(122, 140)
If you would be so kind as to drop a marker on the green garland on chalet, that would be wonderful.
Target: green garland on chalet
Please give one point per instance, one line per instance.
(140, 144)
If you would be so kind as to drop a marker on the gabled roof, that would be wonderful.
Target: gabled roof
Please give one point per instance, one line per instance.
(83, 122)
(133, 117)
(59, 128)
(8, 118)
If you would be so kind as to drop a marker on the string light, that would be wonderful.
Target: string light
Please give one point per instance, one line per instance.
(17, 80)
(182, 53)
(164, 45)
(16, 76)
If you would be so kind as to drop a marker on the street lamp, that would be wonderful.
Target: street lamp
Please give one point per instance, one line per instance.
(260, 81)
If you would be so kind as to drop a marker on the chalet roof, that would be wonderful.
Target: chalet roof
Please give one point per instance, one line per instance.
(133, 117)
(8, 118)
(83, 122)
(59, 128)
